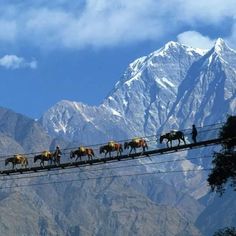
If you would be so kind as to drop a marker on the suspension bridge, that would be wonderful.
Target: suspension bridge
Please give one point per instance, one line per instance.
(207, 136)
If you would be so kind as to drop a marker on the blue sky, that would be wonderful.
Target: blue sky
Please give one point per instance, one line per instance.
(78, 49)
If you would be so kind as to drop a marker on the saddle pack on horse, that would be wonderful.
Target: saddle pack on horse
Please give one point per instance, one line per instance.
(17, 157)
(82, 149)
(136, 140)
(46, 154)
(111, 144)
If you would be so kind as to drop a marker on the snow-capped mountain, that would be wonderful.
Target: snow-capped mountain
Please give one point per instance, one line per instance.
(171, 88)
(138, 105)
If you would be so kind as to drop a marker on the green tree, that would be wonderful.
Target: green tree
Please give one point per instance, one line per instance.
(224, 162)
(228, 231)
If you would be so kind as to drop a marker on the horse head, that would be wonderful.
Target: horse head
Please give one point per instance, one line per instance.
(7, 161)
(72, 154)
(161, 138)
(36, 158)
(145, 144)
(126, 145)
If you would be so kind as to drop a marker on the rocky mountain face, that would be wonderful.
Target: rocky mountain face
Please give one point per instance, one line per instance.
(20, 134)
(219, 213)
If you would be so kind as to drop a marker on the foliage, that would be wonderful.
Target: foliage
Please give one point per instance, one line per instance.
(228, 131)
(224, 162)
(229, 231)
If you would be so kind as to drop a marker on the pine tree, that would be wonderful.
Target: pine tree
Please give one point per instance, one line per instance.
(224, 162)
(228, 231)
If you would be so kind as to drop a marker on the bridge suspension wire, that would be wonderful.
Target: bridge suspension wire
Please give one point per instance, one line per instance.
(64, 167)
(105, 177)
(10, 178)
(155, 137)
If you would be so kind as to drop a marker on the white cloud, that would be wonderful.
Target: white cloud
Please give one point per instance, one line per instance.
(104, 23)
(205, 11)
(196, 40)
(14, 62)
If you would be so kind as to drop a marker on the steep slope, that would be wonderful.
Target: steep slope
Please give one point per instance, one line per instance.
(110, 206)
(149, 88)
(28, 133)
(207, 93)
(219, 212)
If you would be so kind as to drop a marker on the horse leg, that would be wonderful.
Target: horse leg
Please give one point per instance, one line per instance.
(143, 149)
(90, 156)
(130, 150)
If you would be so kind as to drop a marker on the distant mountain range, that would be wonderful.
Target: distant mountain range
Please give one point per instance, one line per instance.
(171, 88)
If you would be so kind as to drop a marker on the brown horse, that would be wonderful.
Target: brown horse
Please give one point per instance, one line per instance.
(44, 156)
(17, 159)
(173, 135)
(111, 147)
(82, 151)
(136, 143)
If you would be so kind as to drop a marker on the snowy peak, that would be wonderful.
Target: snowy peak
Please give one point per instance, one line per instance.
(220, 46)
(221, 53)
(172, 47)
(222, 49)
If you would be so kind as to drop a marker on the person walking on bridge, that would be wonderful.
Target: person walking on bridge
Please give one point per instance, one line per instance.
(57, 155)
(194, 134)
